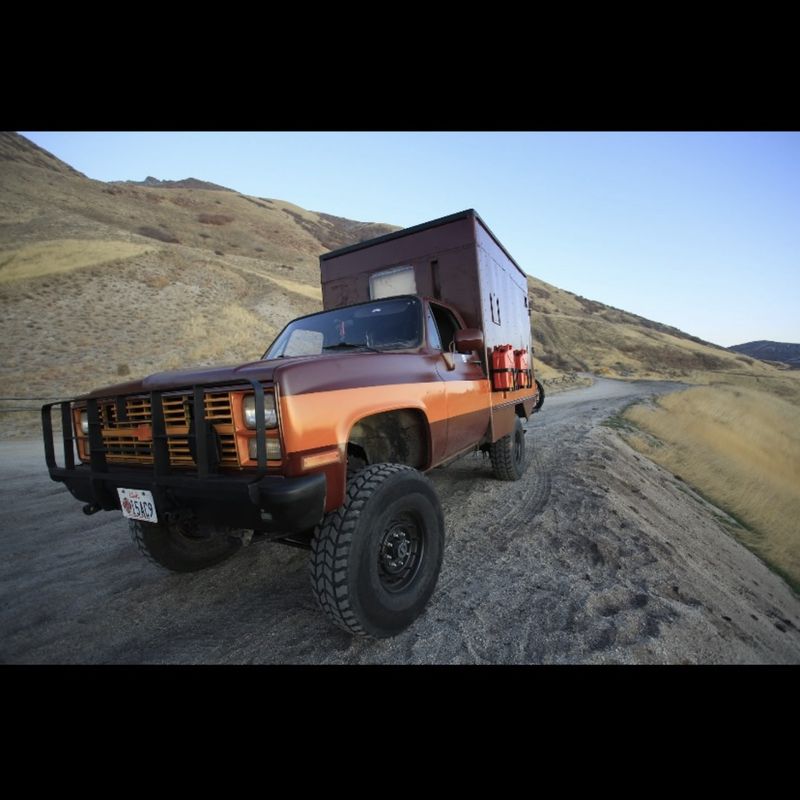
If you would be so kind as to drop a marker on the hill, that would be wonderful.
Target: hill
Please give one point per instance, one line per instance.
(16, 150)
(101, 280)
(781, 352)
(573, 333)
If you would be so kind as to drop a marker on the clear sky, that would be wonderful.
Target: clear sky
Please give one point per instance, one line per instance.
(696, 230)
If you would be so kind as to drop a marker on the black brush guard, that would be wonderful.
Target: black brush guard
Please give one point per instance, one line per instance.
(245, 499)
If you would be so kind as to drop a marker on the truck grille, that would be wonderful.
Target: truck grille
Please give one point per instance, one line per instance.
(128, 438)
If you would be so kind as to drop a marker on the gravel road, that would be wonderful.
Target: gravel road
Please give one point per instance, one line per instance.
(596, 556)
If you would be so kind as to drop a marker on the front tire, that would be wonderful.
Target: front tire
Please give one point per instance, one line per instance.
(375, 561)
(508, 454)
(177, 547)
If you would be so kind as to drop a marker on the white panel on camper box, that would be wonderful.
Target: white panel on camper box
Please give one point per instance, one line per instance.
(391, 282)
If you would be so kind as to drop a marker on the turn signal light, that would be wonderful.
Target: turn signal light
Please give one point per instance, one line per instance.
(320, 459)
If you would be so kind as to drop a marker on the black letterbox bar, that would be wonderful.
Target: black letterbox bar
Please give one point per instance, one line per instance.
(201, 432)
(47, 427)
(66, 432)
(97, 451)
(261, 437)
(122, 409)
(160, 447)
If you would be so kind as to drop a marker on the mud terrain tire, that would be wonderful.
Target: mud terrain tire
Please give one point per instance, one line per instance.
(375, 561)
(173, 545)
(508, 454)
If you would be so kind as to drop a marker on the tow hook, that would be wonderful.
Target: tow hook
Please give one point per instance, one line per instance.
(91, 508)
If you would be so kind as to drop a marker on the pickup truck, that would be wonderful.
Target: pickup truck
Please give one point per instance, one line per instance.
(421, 354)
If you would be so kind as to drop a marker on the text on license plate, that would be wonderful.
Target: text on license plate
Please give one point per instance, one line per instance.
(137, 504)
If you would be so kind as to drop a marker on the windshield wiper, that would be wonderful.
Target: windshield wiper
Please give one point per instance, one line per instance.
(350, 345)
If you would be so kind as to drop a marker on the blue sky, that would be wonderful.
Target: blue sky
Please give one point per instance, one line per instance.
(696, 230)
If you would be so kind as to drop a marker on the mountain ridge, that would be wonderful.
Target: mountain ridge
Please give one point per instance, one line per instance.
(773, 352)
(184, 183)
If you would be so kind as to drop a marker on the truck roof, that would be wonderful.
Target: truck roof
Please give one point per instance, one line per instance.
(470, 212)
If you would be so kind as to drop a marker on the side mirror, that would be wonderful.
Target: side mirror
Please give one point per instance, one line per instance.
(468, 340)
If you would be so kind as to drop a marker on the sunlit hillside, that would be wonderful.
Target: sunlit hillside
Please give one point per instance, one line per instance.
(573, 333)
(741, 449)
(100, 280)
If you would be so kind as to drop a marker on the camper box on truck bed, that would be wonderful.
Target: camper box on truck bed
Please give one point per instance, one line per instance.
(455, 259)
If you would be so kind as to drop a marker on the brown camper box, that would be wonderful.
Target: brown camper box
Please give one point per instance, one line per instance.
(421, 355)
(457, 262)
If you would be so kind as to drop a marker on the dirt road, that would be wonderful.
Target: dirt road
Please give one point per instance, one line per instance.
(596, 556)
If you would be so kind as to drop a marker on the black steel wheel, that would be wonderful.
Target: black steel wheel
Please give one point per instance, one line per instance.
(508, 454)
(177, 546)
(401, 552)
(375, 561)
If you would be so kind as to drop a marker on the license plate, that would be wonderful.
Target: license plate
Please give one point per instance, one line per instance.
(137, 504)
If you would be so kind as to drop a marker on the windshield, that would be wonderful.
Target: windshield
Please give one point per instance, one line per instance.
(393, 324)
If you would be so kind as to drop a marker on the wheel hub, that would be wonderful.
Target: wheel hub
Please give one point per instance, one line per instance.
(399, 555)
(395, 550)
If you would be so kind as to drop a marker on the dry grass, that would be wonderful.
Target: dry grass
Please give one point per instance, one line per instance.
(158, 234)
(63, 255)
(312, 292)
(214, 219)
(740, 448)
(544, 372)
(162, 310)
(229, 334)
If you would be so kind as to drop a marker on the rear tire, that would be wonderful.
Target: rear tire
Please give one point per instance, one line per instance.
(508, 454)
(540, 401)
(174, 546)
(375, 561)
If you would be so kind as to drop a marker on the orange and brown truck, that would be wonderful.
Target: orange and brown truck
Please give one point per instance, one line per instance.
(421, 355)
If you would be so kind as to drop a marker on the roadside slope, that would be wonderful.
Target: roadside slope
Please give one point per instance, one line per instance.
(596, 556)
(740, 448)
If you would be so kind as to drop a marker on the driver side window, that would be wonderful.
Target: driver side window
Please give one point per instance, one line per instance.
(446, 324)
(434, 340)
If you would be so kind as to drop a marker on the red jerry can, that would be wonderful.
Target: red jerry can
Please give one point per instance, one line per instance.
(503, 367)
(522, 369)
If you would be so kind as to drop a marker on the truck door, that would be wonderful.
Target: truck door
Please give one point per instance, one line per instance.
(466, 387)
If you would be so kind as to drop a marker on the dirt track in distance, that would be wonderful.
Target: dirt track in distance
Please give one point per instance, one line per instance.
(596, 556)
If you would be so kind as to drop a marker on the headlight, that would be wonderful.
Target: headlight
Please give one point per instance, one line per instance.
(270, 416)
(273, 449)
(85, 422)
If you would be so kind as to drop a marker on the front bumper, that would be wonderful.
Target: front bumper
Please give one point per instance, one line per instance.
(246, 499)
(271, 503)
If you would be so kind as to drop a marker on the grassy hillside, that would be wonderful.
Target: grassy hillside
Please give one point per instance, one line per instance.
(99, 280)
(741, 449)
(573, 333)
